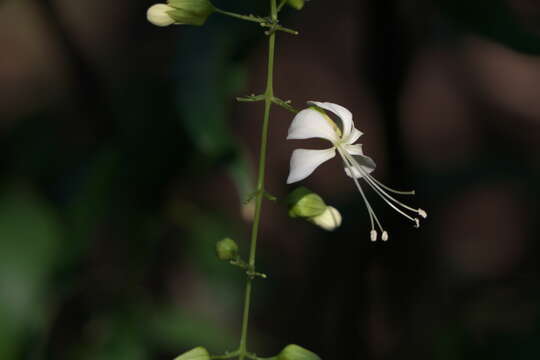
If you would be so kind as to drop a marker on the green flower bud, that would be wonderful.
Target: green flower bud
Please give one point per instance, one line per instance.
(295, 352)
(329, 220)
(226, 249)
(190, 12)
(304, 203)
(297, 4)
(199, 353)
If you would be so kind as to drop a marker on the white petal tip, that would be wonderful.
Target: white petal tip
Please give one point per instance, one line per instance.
(384, 236)
(422, 213)
(329, 220)
(373, 235)
(158, 15)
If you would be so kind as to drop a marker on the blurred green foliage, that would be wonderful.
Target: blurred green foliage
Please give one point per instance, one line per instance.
(31, 249)
(93, 216)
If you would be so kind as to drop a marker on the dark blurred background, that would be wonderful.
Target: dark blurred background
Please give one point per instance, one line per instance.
(124, 158)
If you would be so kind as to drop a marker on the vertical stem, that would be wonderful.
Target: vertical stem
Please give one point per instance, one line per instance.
(268, 97)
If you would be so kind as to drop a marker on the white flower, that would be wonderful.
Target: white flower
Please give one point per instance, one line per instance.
(313, 122)
(158, 15)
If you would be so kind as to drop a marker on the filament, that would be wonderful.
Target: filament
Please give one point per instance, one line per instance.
(399, 192)
(386, 197)
(372, 214)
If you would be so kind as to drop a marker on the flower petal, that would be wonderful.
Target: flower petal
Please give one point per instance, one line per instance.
(355, 149)
(366, 163)
(353, 136)
(344, 114)
(304, 162)
(309, 123)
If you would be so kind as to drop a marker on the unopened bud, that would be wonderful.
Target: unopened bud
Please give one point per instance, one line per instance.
(297, 4)
(190, 12)
(226, 249)
(305, 203)
(295, 352)
(329, 220)
(158, 15)
(199, 353)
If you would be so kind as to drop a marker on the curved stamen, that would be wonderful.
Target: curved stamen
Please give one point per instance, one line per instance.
(372, 215)
(375, 185)
(370, 211)
(386, 197)
(368, 206)
(399, 192)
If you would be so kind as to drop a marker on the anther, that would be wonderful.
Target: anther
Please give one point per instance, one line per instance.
(416, 223)
(422, 213)
(384, 236)
(373, 235)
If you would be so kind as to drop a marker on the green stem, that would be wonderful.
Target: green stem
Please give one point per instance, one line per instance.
(285, 104)
(272, 25)
(281, 4)
(251, 18)
(268, 99)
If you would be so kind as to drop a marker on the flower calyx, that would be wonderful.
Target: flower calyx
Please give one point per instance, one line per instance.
(304, 203)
